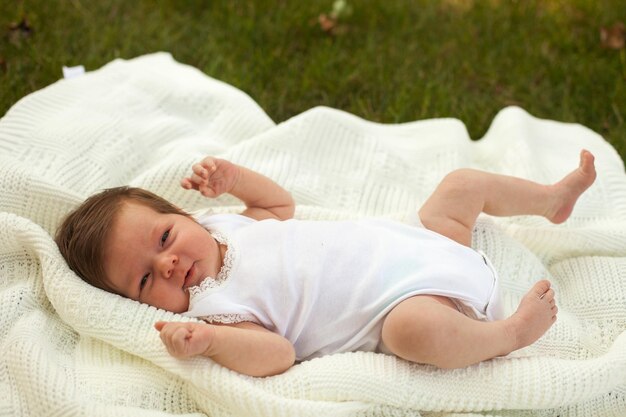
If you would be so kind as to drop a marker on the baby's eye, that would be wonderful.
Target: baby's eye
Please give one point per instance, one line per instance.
(143, 281)
(164, 237)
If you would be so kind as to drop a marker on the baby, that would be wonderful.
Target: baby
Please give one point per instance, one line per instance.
(273, 290)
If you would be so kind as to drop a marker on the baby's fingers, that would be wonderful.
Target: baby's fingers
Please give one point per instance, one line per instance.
(174, 336)
(201, 171)
(179, 342)
(209, 164)
(187, 184)
(204, 169)
(196, 183)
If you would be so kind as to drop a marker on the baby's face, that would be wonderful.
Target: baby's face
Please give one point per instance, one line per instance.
(153, 257)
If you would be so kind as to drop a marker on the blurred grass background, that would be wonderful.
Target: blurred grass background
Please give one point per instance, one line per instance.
(389, 61)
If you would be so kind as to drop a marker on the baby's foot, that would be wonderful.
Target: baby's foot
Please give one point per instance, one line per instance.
(565, 193)
(534, 316)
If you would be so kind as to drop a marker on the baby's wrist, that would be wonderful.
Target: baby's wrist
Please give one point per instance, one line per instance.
(237, 177)
(209, 334)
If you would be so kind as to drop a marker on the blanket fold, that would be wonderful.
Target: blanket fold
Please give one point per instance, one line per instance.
(69, 348)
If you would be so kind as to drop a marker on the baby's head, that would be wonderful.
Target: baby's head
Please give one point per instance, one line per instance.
(131, 242)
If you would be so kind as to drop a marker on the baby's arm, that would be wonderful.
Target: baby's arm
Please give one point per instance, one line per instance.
(262, 196)
(245, 347)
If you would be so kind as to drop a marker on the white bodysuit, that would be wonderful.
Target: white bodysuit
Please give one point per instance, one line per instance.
(327, 285)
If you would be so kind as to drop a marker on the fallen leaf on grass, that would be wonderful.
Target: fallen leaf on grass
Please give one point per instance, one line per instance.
(19, 31)
(613, 37)
(329, 23)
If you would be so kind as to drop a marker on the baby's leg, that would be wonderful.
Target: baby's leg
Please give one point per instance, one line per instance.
(463, 194)
(426, 329)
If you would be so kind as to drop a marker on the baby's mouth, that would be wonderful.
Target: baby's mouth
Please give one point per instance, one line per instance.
(189, 276)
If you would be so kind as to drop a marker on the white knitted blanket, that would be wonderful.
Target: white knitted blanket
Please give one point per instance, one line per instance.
(69, 349)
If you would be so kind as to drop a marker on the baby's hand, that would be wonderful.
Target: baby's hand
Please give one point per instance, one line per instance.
(212, 177)
(183, 340)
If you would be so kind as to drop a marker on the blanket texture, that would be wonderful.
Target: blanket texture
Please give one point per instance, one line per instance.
(69, 349)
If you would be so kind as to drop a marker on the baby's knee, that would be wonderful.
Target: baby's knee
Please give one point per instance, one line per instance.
(460, 180)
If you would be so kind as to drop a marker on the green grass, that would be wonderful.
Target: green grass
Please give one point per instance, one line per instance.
(397, 61)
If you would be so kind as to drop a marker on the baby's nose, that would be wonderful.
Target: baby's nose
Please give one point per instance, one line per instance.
(167, 263)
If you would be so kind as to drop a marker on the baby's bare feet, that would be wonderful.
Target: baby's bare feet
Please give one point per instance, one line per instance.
(534, 316)
(565, 193)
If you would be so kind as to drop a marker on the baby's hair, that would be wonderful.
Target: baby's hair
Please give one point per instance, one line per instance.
(83, 235)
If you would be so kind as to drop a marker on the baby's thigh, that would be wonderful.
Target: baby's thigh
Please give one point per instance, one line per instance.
(413, 320)
(446, 226)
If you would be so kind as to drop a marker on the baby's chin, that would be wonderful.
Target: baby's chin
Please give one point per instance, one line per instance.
(186, 305)
(179, 308)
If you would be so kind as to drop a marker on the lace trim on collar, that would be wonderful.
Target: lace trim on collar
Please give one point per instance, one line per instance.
(223, 275)
(229, 318)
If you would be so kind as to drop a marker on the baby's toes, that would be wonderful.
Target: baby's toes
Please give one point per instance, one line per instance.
(587, 161)
(548, 296)
(541, 288)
